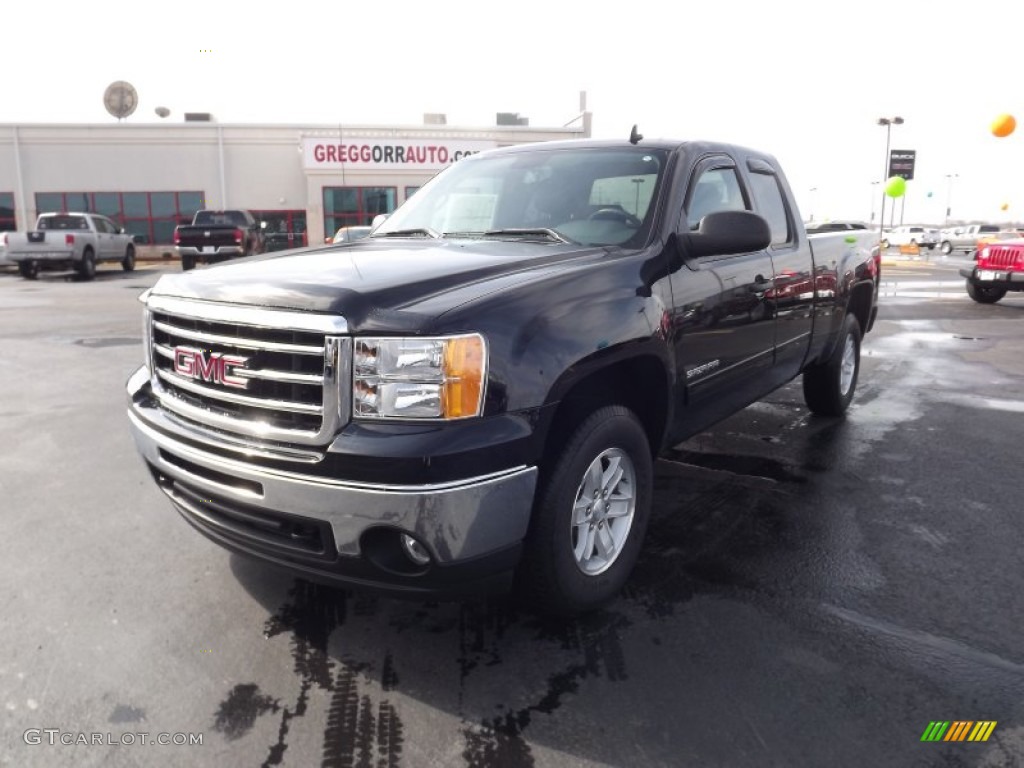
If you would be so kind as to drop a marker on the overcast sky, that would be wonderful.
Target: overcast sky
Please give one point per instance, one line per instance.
(806, 86)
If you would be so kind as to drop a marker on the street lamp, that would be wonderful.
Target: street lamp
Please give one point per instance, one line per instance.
(949, 194)
(888, 122)
(873, 185)
(814, 200)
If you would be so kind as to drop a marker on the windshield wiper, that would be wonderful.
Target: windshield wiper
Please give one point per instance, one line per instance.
(422, 231)
(533, 233)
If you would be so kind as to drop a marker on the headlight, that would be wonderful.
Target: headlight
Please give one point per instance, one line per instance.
(415, 378)
(147, 331)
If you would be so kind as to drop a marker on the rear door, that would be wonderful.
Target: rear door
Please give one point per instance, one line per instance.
(791, 299)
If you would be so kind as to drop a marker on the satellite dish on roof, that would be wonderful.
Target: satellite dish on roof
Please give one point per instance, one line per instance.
(120, 99)
(162, 111)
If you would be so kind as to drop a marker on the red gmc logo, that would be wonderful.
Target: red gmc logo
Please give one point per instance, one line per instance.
(214, 367)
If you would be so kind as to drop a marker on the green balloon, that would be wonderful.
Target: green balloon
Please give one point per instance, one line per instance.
(896, 186)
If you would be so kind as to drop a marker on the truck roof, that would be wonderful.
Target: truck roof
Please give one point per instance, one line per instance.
(698, 146)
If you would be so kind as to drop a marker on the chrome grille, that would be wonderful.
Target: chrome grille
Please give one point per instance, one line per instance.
(263, 373)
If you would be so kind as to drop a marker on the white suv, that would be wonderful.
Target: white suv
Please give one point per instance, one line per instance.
(919, 236)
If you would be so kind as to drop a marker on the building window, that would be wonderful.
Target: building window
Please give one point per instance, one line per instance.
(355, 206)
(410, 191)
(285, 229)
(151, 216)
(7, 212)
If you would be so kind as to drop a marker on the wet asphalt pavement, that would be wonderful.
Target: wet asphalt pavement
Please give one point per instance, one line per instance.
(812, 592)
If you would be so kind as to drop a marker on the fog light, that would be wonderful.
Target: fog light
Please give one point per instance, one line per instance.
(414, 550)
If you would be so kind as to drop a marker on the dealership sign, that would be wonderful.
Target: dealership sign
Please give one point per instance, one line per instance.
(901, 163)
(401, 154)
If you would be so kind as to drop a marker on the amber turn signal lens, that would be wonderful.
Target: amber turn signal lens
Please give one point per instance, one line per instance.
(463, 376)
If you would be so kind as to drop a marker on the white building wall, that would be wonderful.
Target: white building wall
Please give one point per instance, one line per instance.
(260, 167)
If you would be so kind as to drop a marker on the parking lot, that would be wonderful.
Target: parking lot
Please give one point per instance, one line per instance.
(812, 592)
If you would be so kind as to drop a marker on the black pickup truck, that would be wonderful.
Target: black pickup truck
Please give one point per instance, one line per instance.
(473, 397)
(217, 235)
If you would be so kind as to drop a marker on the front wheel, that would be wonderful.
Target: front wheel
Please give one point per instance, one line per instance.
(829, 386)
(985, 294)
(590, 516)
(29, 269)
(947, 247)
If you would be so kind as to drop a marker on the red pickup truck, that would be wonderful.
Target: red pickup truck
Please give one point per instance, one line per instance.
(999, 267)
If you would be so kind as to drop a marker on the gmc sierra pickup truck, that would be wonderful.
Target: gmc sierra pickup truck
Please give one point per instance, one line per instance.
(473, 397)
(217, 235)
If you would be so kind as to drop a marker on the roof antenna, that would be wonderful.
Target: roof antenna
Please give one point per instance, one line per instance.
(634, 137)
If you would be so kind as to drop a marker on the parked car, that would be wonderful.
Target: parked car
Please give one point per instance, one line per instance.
(910, 235)
(350, 234)
(473, 397)
(965, 238)
(999, 268)
(71, 240)
(4, 261)
(836, 225)
(218, 235)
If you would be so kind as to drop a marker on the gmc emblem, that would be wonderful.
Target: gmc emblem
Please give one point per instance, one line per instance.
(214, 367)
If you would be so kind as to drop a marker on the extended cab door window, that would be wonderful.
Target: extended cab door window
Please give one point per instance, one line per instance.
(772, 206)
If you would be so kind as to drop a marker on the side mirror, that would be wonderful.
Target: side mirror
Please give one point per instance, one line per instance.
(379, 219)
(725, 233)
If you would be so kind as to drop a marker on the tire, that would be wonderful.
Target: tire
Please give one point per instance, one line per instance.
(187, 263)
(829, 386)
(128, 262)
(568, 567)
(29, 269)
(985, 294)
(86, 268)
(885, 245)
(947, 247)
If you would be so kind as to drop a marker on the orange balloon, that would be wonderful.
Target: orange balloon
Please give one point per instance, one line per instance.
(1003, 126)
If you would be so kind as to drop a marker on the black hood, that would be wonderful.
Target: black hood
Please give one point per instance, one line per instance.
(371, 280)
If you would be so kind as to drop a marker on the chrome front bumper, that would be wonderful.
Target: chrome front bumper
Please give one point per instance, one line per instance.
(457, 521)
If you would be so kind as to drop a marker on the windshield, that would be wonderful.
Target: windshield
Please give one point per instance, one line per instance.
(584, 195)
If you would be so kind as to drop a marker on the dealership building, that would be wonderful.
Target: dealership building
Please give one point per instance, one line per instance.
(304, 181)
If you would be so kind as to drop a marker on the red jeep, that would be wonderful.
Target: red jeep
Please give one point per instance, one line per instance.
(999, 268)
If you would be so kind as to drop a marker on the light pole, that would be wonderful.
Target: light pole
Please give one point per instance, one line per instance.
(949, 195)
(814, 201)
(888, 122)
(873, 193)
(636, 207)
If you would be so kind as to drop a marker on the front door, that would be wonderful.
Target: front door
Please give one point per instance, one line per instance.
(724, 327)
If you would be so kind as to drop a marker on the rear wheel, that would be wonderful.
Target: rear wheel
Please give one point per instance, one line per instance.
(885, 245)
(188, 262)
(128, 262)
(590, 516)
(86, 268)
(985, 294)
(829, 386)
(29, 269)
(947, 247)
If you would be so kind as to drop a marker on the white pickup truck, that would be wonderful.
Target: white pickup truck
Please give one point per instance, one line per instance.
(70, 240)
(965, 238)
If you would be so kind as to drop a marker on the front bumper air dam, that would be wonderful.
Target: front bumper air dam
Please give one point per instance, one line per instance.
(462, 523)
